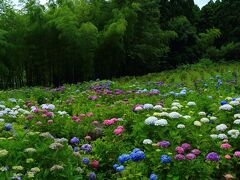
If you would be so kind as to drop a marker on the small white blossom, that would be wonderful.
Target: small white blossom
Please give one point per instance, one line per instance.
(174, 115)
(221, 127)
(174, 108)
(147, 106)
(228, 98)
(213, 118)
(150, 120)
(202, 113)
(163, 114)
(147, 141)
(204, 120)
(234, 133)
(237, 121)
(180, 126)
(161, 122)
(186, 117)
(191, 104)
(197, 123)
(237, 116)
(234, 103)
(138, 108)
(214, 136)
(157, 107)
(222, 136)
(225, 107)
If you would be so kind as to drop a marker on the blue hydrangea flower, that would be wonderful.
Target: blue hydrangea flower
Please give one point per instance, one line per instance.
(8, 127)
(75, 149)
(92, 176)
(74, 140)
(153, 177)
(120, 168)
(86, 148)
(123, 158)
(137, 156)
(115, 166)
(223, 102)
(85, 161)
(165, 159)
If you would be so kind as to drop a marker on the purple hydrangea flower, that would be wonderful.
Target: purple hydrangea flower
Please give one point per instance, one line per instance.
(74, 140)
(186, 146)
(190, 156)
(86, 148)
(179, 157)
(212, 157)
(164, 144)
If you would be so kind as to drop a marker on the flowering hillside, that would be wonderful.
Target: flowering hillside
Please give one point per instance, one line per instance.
(179, 124)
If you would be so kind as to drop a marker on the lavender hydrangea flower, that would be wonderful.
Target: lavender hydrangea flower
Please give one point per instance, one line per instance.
(212, 157)
(74, 140)
(164, 144)
(86, 148)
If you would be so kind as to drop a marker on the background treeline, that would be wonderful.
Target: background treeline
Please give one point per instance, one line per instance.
(68, 41)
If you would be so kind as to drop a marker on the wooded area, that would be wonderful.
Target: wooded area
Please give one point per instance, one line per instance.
(67, 41)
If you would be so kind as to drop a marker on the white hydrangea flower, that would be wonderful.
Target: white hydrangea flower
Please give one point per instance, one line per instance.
(62, 113)
(213, 118)
(237, 116)
(214, 136)
(197, 123)
(202, 113)
(174, 115)
(187, 117)
(150, 120)
(2, 106)
(176, 104)
(237, 121)
(1, 120)
(174, 108)
(191, 103)
(161, 122)
(221, 127)
(157, 107)
(147, 141)
(234, 133)
(204, 120)
(162, 114)
(228, 98)
(147, 106)
(51, 106)
(225, 107)
(180, 126)
(234, 103)
(222, 136)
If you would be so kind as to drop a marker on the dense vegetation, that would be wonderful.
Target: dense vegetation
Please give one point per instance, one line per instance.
(76, 40)
(178, 124)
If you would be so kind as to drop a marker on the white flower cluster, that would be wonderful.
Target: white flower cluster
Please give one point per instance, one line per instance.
(187, 117)
(234, 133)
(157, 107)
(161, 122)
(204, 120)
(221, 127)
(237, 116)
(237, 121)
(234, 103)
(202, 113)
(174, 115)
(147, 141)
(151, 120)
(48, 106)
(197, 123)
(180, 126)
(191, 103)
(225, 107)
(147, 106)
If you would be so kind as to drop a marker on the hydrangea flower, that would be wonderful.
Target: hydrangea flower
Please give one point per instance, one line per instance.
(164, 144)
(85, 161)
(202, 113)
(186, 146)
(86, 148)
(92, 176)
(221, 127)
(204, 120)
(212, 156)
(234, 133)
(153, 177)
(180, 126)
(147, 106)
(179, 157)
(226, 107)
(237, 121)
(123, 158)
(120, 168)
(197, 123)
(225, 146)
(161, 122)
(222, 136)
(147, 141)
(237, 153)
(8, 127)
(236, 116)
(214, 136)
(179, 150)
(165, 159)
(150, 120)
(190, 156)
(74, 140)
(137, 155)
(191, 104)
(174, 115)
(196, 151)
(157, 107)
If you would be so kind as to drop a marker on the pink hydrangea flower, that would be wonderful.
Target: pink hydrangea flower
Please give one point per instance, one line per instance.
(89, 114)
(118, 130)
(50, 121)
(196, 151)
(179, 150)
(108, 122)
(227, 157)
(225, 146)
(237, 153)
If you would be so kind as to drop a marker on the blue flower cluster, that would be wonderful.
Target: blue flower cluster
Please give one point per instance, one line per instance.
(136, 155)
(165, 159)
(153, 177)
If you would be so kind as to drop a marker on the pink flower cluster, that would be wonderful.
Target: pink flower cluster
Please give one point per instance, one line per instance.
(119, 130)
(109, 122)
(185, 148)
